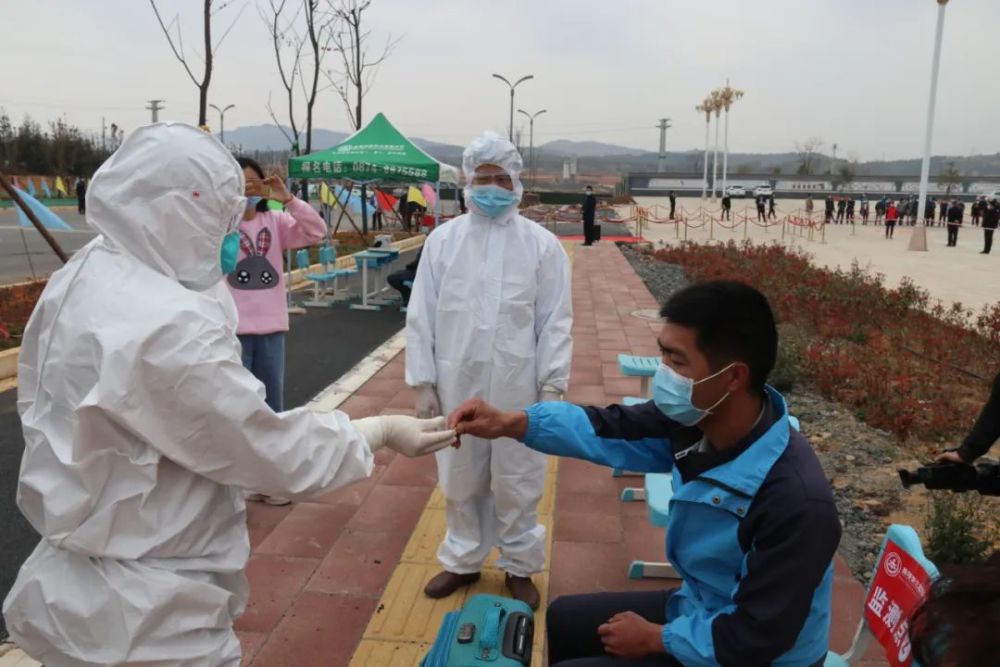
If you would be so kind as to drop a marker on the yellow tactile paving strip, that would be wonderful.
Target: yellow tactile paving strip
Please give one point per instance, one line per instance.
(405, 622)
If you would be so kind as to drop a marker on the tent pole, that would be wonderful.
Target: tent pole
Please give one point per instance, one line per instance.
(364, 214)
(437, 205)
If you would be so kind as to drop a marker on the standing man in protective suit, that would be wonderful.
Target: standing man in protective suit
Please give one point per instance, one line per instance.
(142, 428)
(490, 317)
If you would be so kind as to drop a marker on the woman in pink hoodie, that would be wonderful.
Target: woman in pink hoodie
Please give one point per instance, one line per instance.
(258, 283)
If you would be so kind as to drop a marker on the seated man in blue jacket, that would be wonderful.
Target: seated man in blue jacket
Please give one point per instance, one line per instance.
(752, 528)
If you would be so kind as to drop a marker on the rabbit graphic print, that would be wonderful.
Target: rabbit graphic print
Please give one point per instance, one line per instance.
(254, 271)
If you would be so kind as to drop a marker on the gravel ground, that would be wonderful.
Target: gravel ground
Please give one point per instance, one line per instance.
(859, 460)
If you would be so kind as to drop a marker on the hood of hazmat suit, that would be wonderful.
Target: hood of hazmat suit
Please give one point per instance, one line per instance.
(490, 317)
(142, 428)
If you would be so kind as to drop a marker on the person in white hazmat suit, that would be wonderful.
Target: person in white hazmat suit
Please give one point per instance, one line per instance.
(142, 428)
(490, 316)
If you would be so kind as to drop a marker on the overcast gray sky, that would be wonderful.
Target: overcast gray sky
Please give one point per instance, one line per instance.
(853, 72)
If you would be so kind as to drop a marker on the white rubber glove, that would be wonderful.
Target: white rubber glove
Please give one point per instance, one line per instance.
(409, 436)
(549, 394)
(428, 403)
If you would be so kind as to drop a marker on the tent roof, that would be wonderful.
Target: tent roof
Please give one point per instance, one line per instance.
(376, 152)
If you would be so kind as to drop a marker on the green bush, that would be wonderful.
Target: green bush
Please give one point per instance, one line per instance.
(787, 372)
(955, 534)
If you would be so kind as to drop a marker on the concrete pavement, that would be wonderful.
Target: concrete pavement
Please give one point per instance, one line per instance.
(949, 274)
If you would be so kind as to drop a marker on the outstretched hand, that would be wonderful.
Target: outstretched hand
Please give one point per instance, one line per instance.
(478, 418)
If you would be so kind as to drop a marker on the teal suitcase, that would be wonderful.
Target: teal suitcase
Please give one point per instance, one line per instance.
(489, 631)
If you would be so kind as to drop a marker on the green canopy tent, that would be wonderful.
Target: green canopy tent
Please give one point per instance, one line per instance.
(377, 152)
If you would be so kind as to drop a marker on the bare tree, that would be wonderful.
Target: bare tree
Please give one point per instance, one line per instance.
(176, 42)
(359, 64)
(294, 27)
(808, 151)
(951, 177)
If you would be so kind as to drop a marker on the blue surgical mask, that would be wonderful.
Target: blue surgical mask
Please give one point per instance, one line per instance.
(492, 200)
(230, 252)
(672, 396)
(252, 202)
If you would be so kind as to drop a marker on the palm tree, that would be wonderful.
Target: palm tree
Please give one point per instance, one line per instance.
(706, 107)
(728, 96)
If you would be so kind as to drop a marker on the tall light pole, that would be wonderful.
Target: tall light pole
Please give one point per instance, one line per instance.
(222, 121)
(531, 139)
(661, 162)
(717, 108)
(918, 239)
(727, 96)
(512, 87)
(706, 107)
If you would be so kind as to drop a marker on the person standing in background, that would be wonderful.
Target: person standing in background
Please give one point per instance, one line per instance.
(991, 218)
(809, 207)
(727, 205)
(891, 214)
(850, 210)
(770, 207)
(841, 210)
(829, 209)
(258, 282)
(81, 195)
(673, 203)
(955, 211)
(589, 213)
(864, 210)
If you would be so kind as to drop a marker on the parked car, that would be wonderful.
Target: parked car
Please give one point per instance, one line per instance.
(736, 191)
(763, 189)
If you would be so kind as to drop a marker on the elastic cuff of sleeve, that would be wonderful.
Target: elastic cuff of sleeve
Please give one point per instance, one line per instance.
(533, 424)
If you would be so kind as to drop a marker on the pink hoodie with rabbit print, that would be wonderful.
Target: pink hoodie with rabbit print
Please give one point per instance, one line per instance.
(258, 283)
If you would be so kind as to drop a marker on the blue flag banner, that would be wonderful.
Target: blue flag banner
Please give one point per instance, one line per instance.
(45, 189)
(31, 188)
(45, 215)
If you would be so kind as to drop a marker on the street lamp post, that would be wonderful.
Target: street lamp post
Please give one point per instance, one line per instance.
(512, 87)
(918, 239)
(706, 108)
(717, 108)
(727, 96)
(531, 140)
(222, 121)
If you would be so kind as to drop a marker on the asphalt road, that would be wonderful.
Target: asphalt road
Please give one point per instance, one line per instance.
(17, 265)
(322, 345)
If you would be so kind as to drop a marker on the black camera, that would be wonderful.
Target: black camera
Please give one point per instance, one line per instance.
(983, 477)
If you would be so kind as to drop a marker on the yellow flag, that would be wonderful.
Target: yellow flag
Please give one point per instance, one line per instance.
(60, 188)
(414, 195)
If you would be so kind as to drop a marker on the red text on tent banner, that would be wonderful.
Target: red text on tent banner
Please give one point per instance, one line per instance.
(899, 586)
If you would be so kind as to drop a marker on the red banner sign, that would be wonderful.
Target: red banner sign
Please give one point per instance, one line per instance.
(899, 586)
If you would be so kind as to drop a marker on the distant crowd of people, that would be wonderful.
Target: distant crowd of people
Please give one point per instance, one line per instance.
(943, 211)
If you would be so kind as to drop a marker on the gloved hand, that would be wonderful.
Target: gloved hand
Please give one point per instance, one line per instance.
(428, 403)
(409, 436)
(549, 394)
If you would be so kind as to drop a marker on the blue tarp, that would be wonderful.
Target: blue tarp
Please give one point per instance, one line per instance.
(44, 214)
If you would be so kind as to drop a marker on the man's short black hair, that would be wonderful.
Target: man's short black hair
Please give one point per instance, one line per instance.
(732, 322)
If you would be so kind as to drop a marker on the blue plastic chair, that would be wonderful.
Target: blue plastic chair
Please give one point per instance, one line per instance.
(644, 368)
(325, 278)
(907, 539)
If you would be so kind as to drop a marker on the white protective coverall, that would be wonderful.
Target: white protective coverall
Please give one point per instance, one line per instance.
(142, 428)
(490, 317)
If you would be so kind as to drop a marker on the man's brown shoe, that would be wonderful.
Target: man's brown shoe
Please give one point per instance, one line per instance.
(523, 589)
(446, 583)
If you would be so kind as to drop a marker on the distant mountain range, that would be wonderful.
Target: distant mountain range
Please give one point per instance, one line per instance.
(595, 157)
